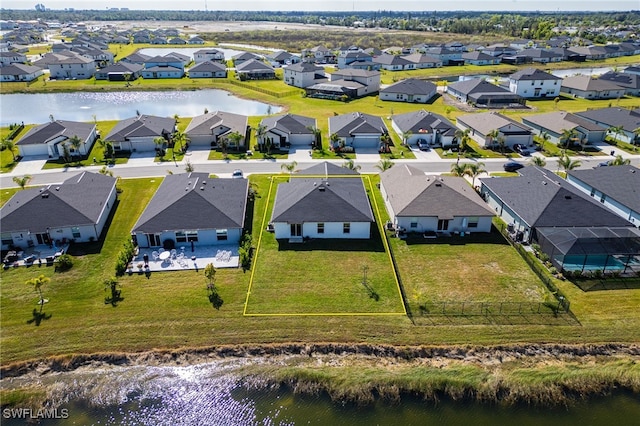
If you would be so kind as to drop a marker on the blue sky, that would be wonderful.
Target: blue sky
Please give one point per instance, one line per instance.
(337, 5)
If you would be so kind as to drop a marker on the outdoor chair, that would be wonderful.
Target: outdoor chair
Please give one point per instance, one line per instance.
(155, 255)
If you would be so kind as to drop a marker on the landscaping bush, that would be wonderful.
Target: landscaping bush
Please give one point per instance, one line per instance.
(244, 252)
(124, 257)
(64, 263)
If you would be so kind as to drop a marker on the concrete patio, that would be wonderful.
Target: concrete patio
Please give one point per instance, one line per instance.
(222, 256)
(37, 255)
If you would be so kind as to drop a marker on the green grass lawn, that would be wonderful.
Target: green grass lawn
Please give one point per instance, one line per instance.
(8, 159)
(322, 277)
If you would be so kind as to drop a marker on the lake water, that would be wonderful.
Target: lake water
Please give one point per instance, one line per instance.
(213, 394)
(189, 51)
(558, 73)
(83, 106)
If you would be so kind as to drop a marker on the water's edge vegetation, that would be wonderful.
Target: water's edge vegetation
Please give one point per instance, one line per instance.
(541, 375)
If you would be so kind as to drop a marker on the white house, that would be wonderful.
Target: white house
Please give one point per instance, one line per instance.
(333, 207)
(75, 210)
(289, 130)
(482, 125)
(357, 129)
(138, 133)
(534, 83)
(70, 65)
(419, 203)
(203, 55)
(192, 208)
(303, 74)
(19, 72)
(48, 139)
(208, 69)
(209, 129)
(411, 90)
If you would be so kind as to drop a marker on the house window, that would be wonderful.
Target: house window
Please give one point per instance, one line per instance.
(6, 239)
(320, 228)
(76, 232)
(414, 222)
(603, 198)
(221, 234)
(346, 228)
(593, 192)
(181, 237)
(191, 235)
(473, 222)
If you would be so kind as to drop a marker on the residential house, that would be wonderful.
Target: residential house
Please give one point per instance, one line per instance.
(163, 71)
(355, 59)
(628, 120)
(630, 82)
(421, 203)
(281, 58)
(369, 79)
(254, 69)
(423, 61)
(19, 72)
(357, 129)
(319, 54)
(75, 210)
(574, 230)
(137, 134)
(193, 209)
(208, 69)
(207, 130)
(136, 58)
(303, 75)
(409, 90)
(446, 55)
(316, 207)
(542, 56)
(587, 87)
(482, 125)
(556, 123)
(634, 69)
(479, 58)
(8, 58)
(176, 41)
(432, 128)
(534, 83)
(393, 63)
(617, 188)
(68, 65)
(289, 130)
(50, 139)
(498, 50)
(196, 40)
(589, 52)
(481, 93)
(204, 55)
(120, 71)
(244, 57)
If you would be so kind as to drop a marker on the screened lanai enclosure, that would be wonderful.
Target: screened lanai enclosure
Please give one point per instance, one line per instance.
(605, 249)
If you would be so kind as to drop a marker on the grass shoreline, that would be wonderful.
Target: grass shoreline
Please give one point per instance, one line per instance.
(541, 375)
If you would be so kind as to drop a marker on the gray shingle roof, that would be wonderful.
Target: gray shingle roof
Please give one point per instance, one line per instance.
(558, 121)
(322, 200)
(423, 122)
(588, 83)
(621, 183)
(413, 194)
(476, 85)
(141, 126)
(628, 119)
(485, 122)
(411, 86)
(78, 201)
(542, 198)
(18, 69)
(63, 129)
(622, 79)
(347, 125)
(305, 67)
(208, 66)
(195, 201)
(203, 124)
(532, 74)
(253, 65)
(327, 169)
(290, 123)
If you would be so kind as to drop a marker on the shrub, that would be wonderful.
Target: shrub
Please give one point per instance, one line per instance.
(244, 251)
(64, 263)
(124, 257)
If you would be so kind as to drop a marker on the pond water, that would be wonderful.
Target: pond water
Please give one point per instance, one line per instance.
(558, 73)
(189, 51)
(85, 106)
(212, 394)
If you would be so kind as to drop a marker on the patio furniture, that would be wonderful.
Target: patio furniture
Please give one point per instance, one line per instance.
(155, 255)
(173, 253)
(164, 256)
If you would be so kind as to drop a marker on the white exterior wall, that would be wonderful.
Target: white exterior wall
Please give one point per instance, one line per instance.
(206, 237)
(207, 74)
(298, 79)
(403, 97)
(33, 150)
(201, 140)
(162, 74)
(525, 89)
(430, 223)
(505, 213)
(608, 94)
(359, 230)
(613, 205)
(138, 144)
(78, 71)
(23, 77)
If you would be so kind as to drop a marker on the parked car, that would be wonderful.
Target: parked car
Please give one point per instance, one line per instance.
(237, 174)
(423, 145)
(512, 166)
(603, 164)
(521, 149)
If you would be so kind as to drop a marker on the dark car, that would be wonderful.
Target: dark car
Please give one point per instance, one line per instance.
(521, 149)
(512, 166)
(423, 145)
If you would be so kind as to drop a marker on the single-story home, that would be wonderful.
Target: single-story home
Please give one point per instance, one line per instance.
(481, 93)
(587, 87)
(479, 58)
(281, 57)
(409, 90)
(254, 69)
(419, 203)
(393, 62)
(627, 119)
(333, 207)
(49, 138)
(629, 81)
(289, 130)
(574, 230)
(162, 72)
(19, 72)
(209, 129)
(208, 69)
(244, 57)
(120, 71)
(617, 188)
(432, 128)
(423, 61)
(75, 210)
(192, 208)
(482, 125)
(138, 133)
(555, 123)
(357, 129)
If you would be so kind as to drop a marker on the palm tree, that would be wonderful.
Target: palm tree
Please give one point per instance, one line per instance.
(636, 135)
(261, 130)
(619, 161)
(10, 145)
(458, 169)
(75, 143)
(405, 136)
(317, 137)
(334, 139)
(543, 139)
(235, 139)
(188, 167)
(224, 145)
(161, 144)
(384, 164)
(105, 171)
(349, 164)
(37, 284)
(181, 138)
(289, 167)
(502, 141)
(538, 161)
(22, 181)
(66, 153)
(567, 163)
(473, 170)
(463, 139)
(616, 130)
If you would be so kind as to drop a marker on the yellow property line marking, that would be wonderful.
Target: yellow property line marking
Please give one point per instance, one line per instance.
(382, 235)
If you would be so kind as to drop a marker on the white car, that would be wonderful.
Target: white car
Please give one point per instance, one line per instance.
(237, 174)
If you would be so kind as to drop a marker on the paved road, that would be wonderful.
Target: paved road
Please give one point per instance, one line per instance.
(145, 167)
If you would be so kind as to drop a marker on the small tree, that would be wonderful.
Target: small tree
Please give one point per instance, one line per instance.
(538, 161)
(161, 146)
(214, 298)
(349, 164)
(619, 161)
(289, 167)
(473, 170)
(105, 171)
(189, 167)
(317, 137)
(210, 274)
(458, 169)
(37, 284)
(566, 163)
(22, 181)
(616, 130)
(235, 139)
(75, 143)
(384, 164)
(11, 146)
(463, 139)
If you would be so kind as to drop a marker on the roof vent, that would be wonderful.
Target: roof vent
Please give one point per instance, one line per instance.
(204, 182)
(202, 188)
(57, 188)
(45, 195)
(567, 197)
(544, 183)
(321, 188)
(438, 184)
